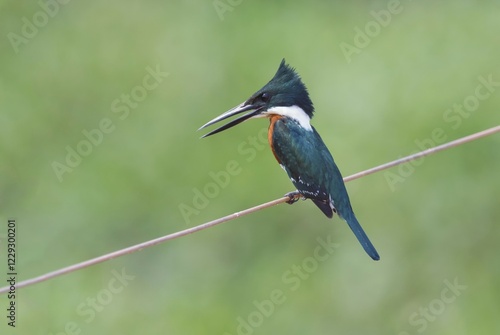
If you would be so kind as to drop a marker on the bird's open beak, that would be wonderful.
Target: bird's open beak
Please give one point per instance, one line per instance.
(254, 110)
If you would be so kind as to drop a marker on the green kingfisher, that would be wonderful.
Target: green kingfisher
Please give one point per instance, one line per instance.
(297, 146)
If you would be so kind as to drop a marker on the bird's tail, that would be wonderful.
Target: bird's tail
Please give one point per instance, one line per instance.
(361, 236)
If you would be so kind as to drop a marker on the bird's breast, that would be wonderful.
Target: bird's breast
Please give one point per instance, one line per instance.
(273, 119)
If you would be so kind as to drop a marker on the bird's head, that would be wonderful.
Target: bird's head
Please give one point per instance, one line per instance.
(284, 94)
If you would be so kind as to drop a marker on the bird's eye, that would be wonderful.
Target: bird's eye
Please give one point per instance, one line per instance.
(265, 97)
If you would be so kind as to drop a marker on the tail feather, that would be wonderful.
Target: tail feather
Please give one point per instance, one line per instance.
(361, 236)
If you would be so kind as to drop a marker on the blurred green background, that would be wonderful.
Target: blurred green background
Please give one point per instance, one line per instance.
(435, 225)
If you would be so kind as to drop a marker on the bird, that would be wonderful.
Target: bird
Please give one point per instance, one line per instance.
(298, 147)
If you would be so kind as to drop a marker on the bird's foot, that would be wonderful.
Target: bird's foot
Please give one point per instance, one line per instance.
(294, 197)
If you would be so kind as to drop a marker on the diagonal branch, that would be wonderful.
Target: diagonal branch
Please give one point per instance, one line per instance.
(206, 225)
(424, 153)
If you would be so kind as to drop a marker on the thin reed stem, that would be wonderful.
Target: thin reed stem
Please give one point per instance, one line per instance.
(206, 225)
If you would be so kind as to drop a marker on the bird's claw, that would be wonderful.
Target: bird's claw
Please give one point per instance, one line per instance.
(294, 197)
